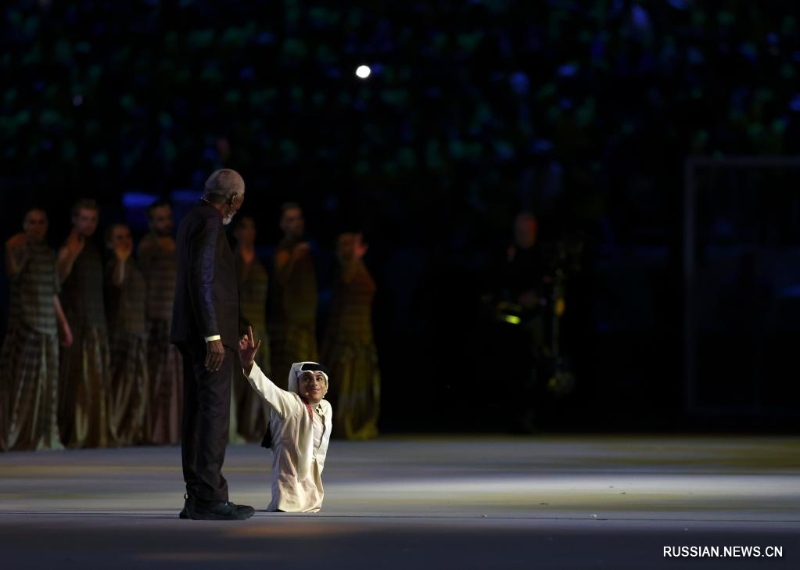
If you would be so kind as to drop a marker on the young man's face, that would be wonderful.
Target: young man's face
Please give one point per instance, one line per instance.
(35, 226)
(161, 220)
(349, 247)
(121, 237)
(312, 386)
(293, 223)
(246, 231)
(85, 222)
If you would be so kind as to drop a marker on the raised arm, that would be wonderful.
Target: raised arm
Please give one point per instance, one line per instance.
(17, 255)
(285, 261)
(122, 253)
(66, 331)
(68, 254)
(281, 401)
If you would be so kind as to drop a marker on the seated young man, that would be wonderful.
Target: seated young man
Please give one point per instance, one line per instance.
(300, 425)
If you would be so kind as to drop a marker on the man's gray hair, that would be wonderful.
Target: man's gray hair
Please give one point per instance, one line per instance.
(224, 183)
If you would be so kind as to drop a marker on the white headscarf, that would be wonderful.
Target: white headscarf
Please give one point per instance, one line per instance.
(297, 370)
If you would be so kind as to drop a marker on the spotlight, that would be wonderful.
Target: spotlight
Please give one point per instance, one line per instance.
(363, 71)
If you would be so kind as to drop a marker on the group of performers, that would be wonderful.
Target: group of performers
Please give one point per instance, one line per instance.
(87, 359)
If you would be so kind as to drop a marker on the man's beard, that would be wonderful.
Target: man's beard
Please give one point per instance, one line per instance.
(227, 219)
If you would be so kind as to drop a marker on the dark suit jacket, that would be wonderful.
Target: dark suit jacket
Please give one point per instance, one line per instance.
(206, 287)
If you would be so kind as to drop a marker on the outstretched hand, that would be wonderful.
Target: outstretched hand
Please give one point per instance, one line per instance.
(17, 243)
(248, 349)
(301, 250)
(75, 243)
(65, 338)
(167, 243)
(123, 251)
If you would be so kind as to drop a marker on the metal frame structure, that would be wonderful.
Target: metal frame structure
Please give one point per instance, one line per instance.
(691, 165)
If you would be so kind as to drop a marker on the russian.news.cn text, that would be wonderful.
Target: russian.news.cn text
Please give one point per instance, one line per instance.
(723, 552)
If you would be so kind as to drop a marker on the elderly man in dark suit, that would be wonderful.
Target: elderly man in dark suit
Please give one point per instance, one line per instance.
(205, 327)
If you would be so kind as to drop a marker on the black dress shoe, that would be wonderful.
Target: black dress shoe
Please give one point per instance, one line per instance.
(219, 511)
(188, 505)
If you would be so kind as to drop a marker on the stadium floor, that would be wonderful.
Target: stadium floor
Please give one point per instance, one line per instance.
(420, 502)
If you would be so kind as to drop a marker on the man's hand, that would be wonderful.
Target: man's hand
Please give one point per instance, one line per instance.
(75, 243)
(301, 250)
(66, 335)
(123, 251)
(248, 349)
(215, 354)
(166, 243)
(17, 243)
(16, 249)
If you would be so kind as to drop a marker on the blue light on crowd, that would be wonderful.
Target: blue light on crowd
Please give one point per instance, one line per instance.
(568, 70)
(185, 196)
(138, 199)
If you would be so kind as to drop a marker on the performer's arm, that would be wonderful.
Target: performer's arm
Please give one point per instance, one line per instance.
(17, 255)
(68, 254)
(64, 328)
(280, 400)
(285, 261)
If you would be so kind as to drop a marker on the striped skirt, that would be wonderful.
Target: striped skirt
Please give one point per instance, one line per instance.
(85, 390)
(129, 388)
(29, 372)
(355, 390)
(165, 369)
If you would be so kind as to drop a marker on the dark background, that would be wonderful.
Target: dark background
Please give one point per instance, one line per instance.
(584, 112)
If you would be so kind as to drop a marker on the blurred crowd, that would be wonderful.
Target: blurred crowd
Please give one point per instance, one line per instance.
(481, 102)
(86, 359)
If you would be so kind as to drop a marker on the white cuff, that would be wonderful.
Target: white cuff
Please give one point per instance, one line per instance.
(213, 337)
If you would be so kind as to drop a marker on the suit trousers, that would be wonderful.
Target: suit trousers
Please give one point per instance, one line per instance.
(206, 421)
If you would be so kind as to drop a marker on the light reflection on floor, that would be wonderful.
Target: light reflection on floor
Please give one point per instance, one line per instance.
(416, 497)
